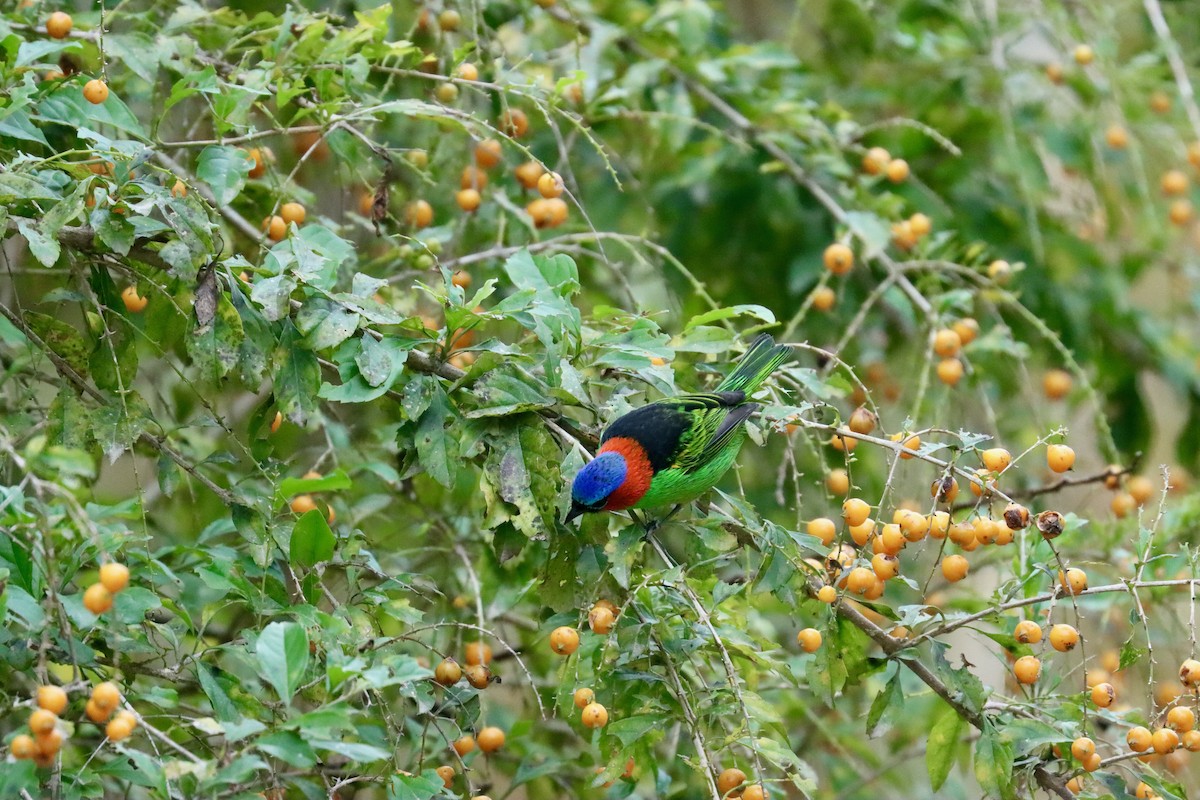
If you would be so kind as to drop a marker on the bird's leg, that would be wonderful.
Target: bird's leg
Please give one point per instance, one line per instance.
(651, 525)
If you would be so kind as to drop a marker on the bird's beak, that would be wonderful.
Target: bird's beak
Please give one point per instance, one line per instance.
(576, 511)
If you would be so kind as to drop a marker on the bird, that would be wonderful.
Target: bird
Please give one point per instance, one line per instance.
(673, 450)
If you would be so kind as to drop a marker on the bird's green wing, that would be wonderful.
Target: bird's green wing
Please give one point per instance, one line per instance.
(716, 419)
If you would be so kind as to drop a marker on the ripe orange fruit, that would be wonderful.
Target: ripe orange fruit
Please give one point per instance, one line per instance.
(52, 698)
(863, 420)
(473, 178)
(564, 640)
(468, 199)
(967, 329)
(528, 173)
(490, 739)
(1084, 55)
(827, 594)
(1144, 792)
(1140, 489)
(488, 153)
(876, 160)
(950, 371)
(996, 459)
(449, 20)
(939, 524)
(1139, 739)
(1064, 638)
(897, 172)
(594, 715)
(447, 672)
(1189, 673)
(477, 653)
(1082, 747)
(837, 481)
(97, 599)
(729, 780)
(1103, 695)
(885, 566)
(1000, 271)
(461, 279)
(1191, 741)
(910, 443)
(22, 747)
(1180, 212)
(1028, 632)
(276, 421)
(1116, 137)
(1056, 384)
(903, 235)
(1027, 669)
(418, 214)
(1054, 72)
(1074, 581)
(95, 91)
(293, 212)
(478, 675)
(42, 721)
(920, 224)
(468, 71)
(838, 258)
(955, 568)
(464, 744)
(1059, 457)
(121, 726)
(823, 298)
(58, 25)
(862, 532)
(106, 696)
(605, 603)
(446, 773)
(601, 620)
(95, 713)
(302, 504)
(947, 343)
(809, 639)
(114, 576)
(584, 697)
(1181, 718)
(446, 93)
(755, 792)
(1164, 740)
(550, 184)
(1174, 182)
(860, 580)
(914, 526)
(855, 511)
(1160, 102)
(514, 122)
(134, 302)
(275, 227)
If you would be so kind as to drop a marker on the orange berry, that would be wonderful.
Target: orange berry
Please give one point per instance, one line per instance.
(1189, 672)
(477, 653)
(809, 639)
(823, 298)
(134, 302)
(293, 212)
(920, 224)
(446, 773)
(1074, 581)
(23, 747)
(876, 160)
(52, 698)
(550, 185)
(1103, 695)
(1063, 638)
(1083, 55)
(947, 343)
(1173, 182)
(468, 199)
(839, 259)
(594, 715)
(97, 599)
(950, 371)
(1139, 739)
(955, 568)
(1028, 632)
(837, 481)
(1027, 669)
(528, 173)
(827, 594)
(1116, 137)
(514, 122)
(464, 744)
(58, 25)
(302, 504)
(488, 153)
(855, 511)
(897, 170)
(478, 675)
(114, 576)
(1060, 457)
(275, 227)
(601, 620)
(885, 566)
(121, 726)
(490, 739)
(729, 780)
(106, 695)
(1140, 488)
(95, 91)
(823, 528)
(447, 672)
(967, 330)
(910, 443)
(584, 697)
(473, 178)
(755, 792)
(1160, 102)
(1180, 212)
(1191, 741)
(42, 721)
(1056, 384)
(564, 640)
(418, 214)
(996, 459)
(1181, 718)
(1164, 740)
(1082, 747)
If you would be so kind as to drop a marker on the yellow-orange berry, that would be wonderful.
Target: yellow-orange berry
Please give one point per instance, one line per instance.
(23, 747)
(1191, 741)
(1139, 739)
(1064, 637)
(468, 199)
(955, 568)
(827, 594)
(418, 214)
(823, 298)
(1181, 718)
(302, 504)
(1084, 55)
(293, 212)
(601, 620)
(594, 715)
(121, 726)
(950, 371)
(447, 672)
(52, 698)
(528, 174)
(996, 459)
(514, 122)
(95, 91)
(855, 511)
(468, 71)
(464, 744)
(446, 773)
(59, 24)
(876, 160)
(1060, 457)
(823, 528)
(1189, 672)
(564, 640)
(583, 697)
(114, 576)
(1140, 488)
(897, 170)
(1116, 137)
(97, 599)
(1056, 384)
(490, 739)
(947, 343)
(106, 695)
(275, 228)
(1027, 669)
(729, 780)
(1164, 740)
(134, 302)
(809, 639)
(477, 653)
(1180, 212)
(1028, 632)
(920, 224)
(838, 258)
(42, 721)
(1173, 182)
(837, 481)
(1073, 581)
(1082, 747)
(488, 153)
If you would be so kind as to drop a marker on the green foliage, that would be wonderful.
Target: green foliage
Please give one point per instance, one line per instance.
(333, 457)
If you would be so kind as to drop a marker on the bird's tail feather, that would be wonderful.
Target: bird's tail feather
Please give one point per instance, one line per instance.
(763, 358)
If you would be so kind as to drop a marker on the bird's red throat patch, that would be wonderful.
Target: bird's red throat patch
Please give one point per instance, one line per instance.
(638, 472)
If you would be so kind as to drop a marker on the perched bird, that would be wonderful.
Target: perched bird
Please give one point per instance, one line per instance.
(673, 450)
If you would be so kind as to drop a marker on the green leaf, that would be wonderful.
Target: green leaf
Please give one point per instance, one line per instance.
(885, 699)
(994, 764)
(45, 248)
(222, 706)
(501, 393)
(325, 324)
(312, 540)
(718, 314)
(942, 746)
(288, 747)
(225, 170)
(435, 448)
(415, 787)
(334, 481)
(282, 652)
(297, 377)
(632, 728)
(518, 483)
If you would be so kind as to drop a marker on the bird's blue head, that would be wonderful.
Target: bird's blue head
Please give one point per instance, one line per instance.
(598, 479)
